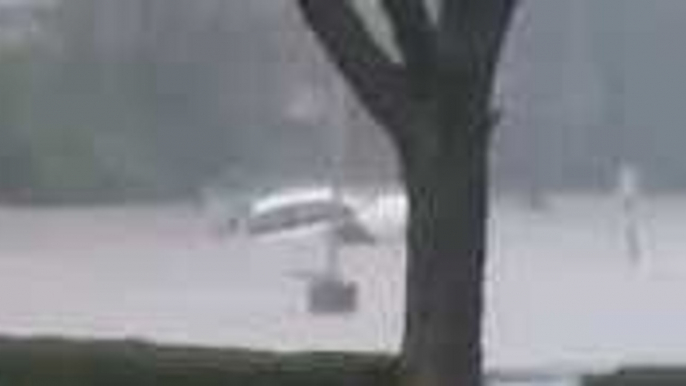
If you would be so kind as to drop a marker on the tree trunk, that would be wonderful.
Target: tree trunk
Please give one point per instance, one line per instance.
(447, 189)
(434, 106)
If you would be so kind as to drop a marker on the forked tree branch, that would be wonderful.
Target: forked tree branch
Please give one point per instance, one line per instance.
(415, 36)
(472, 32)
(377, 81)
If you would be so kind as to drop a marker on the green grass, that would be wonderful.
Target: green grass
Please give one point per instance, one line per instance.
(62, 362)
(57, 362)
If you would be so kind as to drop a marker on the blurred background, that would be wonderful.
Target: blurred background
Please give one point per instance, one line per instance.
(150, 99)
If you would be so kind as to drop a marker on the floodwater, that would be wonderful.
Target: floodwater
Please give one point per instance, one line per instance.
(561, 291)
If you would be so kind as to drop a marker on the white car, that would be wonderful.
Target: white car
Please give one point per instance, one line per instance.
(296, 208)
(293, 209)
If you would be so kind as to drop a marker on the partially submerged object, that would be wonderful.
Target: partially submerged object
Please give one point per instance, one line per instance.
(298, 212)
(328, 292)
(288, 210)
(320, 208)
(629, 194)
(327, 295)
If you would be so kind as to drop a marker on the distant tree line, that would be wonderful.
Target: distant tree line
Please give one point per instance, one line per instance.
(153, 98)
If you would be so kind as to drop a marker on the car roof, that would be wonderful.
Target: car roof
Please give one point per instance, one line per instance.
(294, 197)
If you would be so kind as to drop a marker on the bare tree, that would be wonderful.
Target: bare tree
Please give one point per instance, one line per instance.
(435, 106)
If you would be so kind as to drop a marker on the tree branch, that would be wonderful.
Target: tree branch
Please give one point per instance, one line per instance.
(371, 74)
(472, 32)
(415, 36)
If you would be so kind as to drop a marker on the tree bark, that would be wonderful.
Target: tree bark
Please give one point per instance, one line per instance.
(446, 238)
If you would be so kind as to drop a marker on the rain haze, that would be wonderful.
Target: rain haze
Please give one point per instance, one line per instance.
(191, 172)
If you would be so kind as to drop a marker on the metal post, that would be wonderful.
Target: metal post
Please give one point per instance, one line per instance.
(339, 125)
(629, 192)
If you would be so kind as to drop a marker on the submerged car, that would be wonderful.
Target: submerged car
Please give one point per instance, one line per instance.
(290, 209)
(286, 210)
